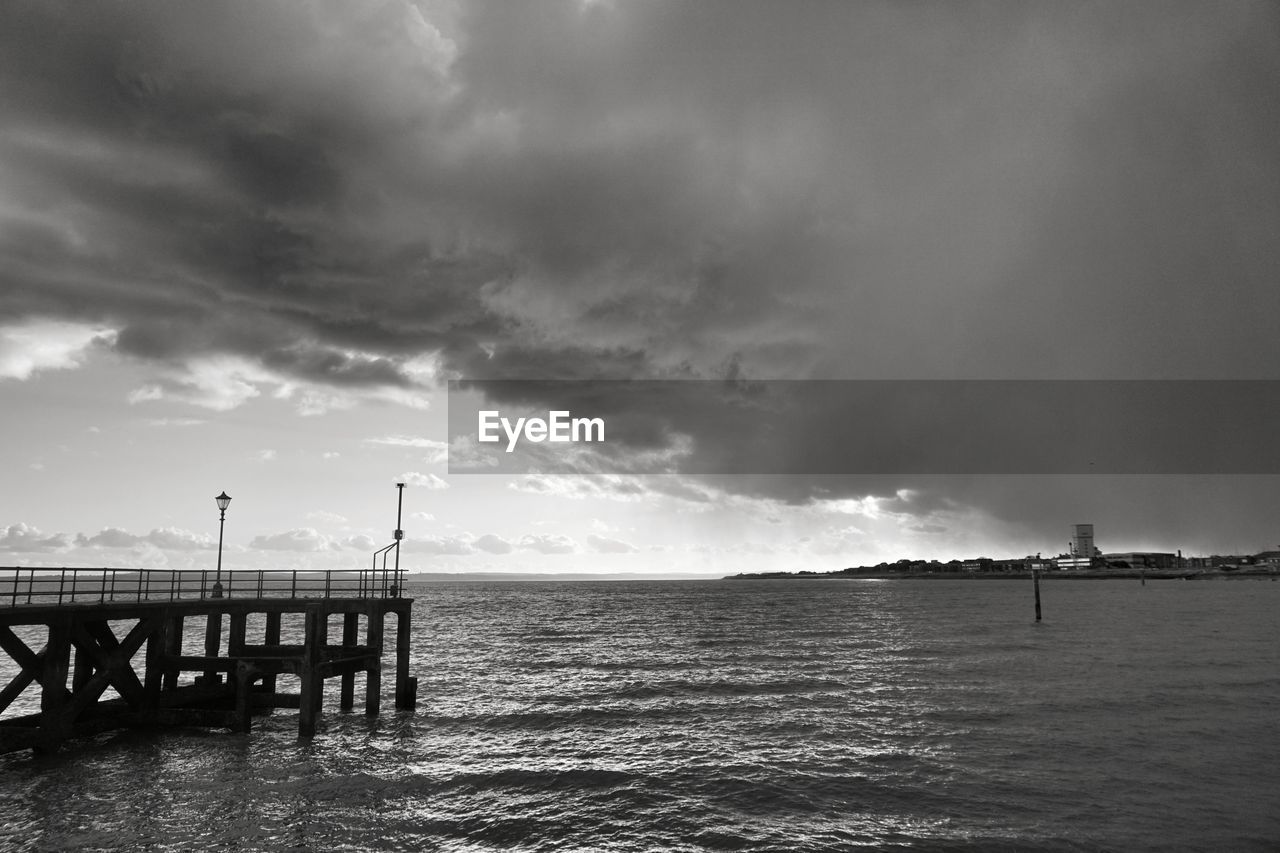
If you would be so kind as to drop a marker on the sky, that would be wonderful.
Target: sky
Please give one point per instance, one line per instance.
(245, 247)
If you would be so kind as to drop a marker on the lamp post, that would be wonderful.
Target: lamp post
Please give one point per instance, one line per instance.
(224, 501)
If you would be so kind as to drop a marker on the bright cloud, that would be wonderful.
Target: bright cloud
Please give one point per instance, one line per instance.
(423, 481)
(47, 345)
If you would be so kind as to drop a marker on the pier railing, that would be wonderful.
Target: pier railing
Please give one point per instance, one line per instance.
(22, 585)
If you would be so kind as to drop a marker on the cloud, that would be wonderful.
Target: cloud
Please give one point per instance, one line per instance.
(455, 546)
(360, 542)
(348, 203)
(548, 543)
(298, 539)
(174, 422)
(605, 545)
(24, 537)
(175, 539)
(325, 517)
(408, 441)
(359, 198)
(39, 344)
(422, 481)
(491, 544)
(438, 451)
(616, 487)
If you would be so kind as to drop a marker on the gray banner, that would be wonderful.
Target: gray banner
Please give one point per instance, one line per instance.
(865, 427)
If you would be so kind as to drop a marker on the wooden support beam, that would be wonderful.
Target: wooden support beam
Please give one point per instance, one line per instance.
(373, 675)
(31, 663)
(82, 669)
(350, 635)
(172, 649)
(345, 666)
(212, 643)
(19, 683)
(271, 637)
(15, 648)
(200, 663)
(406, 687)
(113, 659)
(246, 673)
(53, 684)
(235, 641)
(312, 683)
(243, 681)
(154, 672)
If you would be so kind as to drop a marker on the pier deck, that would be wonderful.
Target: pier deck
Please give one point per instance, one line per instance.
(70, 637)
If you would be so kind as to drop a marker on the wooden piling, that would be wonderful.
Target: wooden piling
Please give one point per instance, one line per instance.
(350, 635)
(271, 637)
(236, 633)
(312, 691)
(53, 685)
(244, 677)
(212, 642)
(155, 673)
(1035, 576)
(172, 649)
(406, 687)
(373, 674)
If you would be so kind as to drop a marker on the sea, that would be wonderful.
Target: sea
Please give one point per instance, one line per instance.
(753, 715)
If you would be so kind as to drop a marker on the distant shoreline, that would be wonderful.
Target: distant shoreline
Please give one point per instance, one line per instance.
(1246, 572)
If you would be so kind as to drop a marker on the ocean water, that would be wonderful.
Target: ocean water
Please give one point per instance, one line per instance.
(746, 716)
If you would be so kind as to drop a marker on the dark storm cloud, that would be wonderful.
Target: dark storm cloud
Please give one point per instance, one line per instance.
(650, 189)
(816, 190)
(221, 182)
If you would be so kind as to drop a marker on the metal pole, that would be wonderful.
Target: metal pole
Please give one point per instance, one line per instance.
(399, 535)
(217, 578)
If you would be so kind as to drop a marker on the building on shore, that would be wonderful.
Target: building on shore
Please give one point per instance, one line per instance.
(1142, 560)
(1082, 553)
(1082, 541)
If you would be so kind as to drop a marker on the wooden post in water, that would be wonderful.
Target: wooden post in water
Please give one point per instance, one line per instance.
(53, 685)
(312, 690)
(350, 634)
(172, 649)
(212, 642)
(406, 685)
(373, 676)
(154, 672)
(271, 637)
(1035, 576)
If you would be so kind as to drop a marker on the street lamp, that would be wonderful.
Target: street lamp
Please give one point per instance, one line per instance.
(224, 501)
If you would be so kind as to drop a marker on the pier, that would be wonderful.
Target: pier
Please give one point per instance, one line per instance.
(91, 650)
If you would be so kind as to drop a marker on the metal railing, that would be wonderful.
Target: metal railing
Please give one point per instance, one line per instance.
(22, 585)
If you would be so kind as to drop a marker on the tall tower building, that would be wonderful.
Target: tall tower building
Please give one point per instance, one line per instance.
(1082, 541)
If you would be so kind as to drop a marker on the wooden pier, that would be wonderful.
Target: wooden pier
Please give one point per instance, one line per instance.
(174, 654)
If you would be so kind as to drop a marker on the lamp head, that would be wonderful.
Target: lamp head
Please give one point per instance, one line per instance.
(224, 500)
